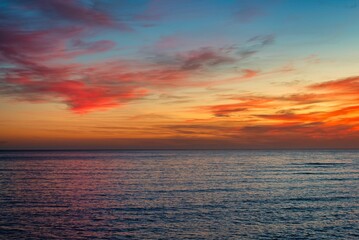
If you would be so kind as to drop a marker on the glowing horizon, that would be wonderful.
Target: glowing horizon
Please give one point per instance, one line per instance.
(167, 74)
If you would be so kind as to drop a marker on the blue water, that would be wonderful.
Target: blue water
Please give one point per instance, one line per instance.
(179, 195)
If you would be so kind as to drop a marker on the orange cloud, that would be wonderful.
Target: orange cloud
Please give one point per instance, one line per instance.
(350, 84)
(246, 103)
(314, 116)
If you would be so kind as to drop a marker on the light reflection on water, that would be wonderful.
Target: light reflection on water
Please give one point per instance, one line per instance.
(179, 195)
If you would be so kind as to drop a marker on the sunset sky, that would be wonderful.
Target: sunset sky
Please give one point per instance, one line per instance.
(179, 74)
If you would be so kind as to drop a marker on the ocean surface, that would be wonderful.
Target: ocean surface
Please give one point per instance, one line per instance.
(179, 195)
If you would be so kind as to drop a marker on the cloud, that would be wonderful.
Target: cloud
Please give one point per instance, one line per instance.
(68, 12)
(244, 104)
(298, 134)
(30, 49)
(80, 98)
(249, 73)
(262, 40)
(192, 60)
(203, 57)
(196, 130)
(253, 45)
(306, 98)
(327, 111)
(164, 52)
(347, 85)
(40, 53)
(291, 117)
(279, 129)
(137, 73)
(168, 43)
(32, 54)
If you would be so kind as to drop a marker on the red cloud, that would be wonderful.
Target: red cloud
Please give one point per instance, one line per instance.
(81, 98)
(31, 55)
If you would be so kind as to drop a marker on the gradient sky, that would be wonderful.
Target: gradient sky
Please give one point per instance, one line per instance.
(179, 74)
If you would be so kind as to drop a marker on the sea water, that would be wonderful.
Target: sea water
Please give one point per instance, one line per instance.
(179, 194)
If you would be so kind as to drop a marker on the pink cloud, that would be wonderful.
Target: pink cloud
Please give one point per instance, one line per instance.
(249, 73)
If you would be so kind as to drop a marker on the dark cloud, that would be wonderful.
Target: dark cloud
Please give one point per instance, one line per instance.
(207, 57)
(262, 40)
(204, 57)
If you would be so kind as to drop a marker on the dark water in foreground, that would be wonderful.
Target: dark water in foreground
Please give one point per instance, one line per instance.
(179, 195)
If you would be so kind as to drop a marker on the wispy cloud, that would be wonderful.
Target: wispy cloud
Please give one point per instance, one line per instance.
(32, 54)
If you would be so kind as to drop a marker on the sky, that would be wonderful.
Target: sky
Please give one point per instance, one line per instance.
(179, 74)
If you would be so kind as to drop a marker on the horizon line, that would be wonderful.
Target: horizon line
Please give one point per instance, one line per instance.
(199, 149)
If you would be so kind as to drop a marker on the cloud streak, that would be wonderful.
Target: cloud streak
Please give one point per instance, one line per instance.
(32, 55)
(40, 52)
(315, 115)
(81, 98)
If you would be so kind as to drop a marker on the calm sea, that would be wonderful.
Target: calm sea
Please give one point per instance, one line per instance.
(179, 195)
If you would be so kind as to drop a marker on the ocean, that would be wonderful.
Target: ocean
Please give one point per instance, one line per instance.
(179, 194)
